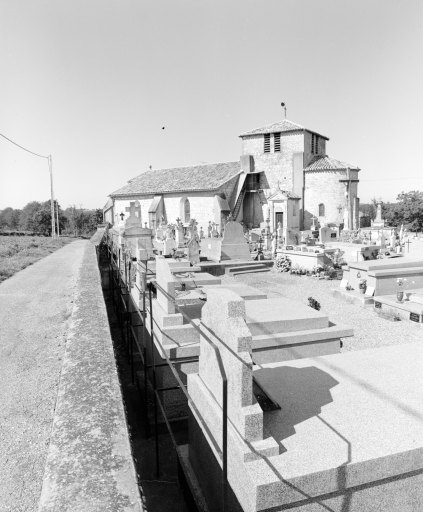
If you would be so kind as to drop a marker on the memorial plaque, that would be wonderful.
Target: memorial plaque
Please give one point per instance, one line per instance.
(414, 317)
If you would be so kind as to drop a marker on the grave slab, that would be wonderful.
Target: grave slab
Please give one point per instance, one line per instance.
(282, 315)
(350, 436)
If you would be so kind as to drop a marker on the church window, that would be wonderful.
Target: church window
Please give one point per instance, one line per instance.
(321, 210)
(277, 142)
(267, 142)
(187, 211)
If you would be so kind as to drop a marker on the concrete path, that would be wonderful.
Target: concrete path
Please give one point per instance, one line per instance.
(35, 307)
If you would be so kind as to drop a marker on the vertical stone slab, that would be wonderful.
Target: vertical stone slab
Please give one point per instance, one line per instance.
(224, 315)
(165, 280)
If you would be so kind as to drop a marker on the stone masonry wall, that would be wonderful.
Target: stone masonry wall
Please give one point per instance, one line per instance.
(325, 187)
(278, 167)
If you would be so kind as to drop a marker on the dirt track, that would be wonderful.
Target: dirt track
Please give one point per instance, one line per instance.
(35, 306)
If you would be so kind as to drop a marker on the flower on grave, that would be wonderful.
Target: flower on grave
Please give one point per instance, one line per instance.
(362, 284)
(401, 281)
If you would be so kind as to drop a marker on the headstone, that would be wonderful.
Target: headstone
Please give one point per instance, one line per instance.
(179, 234)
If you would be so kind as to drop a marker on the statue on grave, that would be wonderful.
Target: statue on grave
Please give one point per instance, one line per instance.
(194, 245)
(209, 229)
(201, 233)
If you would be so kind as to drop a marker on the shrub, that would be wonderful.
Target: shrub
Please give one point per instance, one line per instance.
(313, 303)
(283, 264)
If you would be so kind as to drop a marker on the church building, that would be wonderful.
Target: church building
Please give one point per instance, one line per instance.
(283, 175)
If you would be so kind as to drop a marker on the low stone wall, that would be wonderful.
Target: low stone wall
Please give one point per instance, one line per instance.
(89, 464)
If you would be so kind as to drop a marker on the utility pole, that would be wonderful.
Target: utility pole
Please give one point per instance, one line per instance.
(53, 215)
(50, 166)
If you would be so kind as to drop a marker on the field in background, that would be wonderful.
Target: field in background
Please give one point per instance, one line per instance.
(18, 252)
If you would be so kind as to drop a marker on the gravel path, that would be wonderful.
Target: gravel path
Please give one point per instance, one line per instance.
(35, 305)
(370, 330)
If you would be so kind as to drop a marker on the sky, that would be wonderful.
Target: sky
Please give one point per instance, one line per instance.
(93, 83)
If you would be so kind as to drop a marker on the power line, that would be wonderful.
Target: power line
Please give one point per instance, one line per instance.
(19, 146)
(396, 179)
(50, 167)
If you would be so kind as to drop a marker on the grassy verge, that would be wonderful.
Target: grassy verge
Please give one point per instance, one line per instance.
(18, 252)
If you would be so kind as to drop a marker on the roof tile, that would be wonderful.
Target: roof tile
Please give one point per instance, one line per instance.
(322, 163)
(182, 179)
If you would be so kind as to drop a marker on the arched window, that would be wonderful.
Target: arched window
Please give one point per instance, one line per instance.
(321, 210)
(185, 210)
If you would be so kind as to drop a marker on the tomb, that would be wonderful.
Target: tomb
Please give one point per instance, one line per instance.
(381, 275)
(308, 257)
(233, 245)
(281, 329)
(409, 308)
(347, 435)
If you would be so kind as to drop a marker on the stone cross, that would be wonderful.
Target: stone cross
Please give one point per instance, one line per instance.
(134, 211)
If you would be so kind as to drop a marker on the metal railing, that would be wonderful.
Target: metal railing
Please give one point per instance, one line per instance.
(146, 342)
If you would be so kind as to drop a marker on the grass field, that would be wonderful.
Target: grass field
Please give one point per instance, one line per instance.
(18, 252)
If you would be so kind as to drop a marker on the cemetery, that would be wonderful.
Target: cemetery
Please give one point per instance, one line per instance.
(278, 415)
(218, 334)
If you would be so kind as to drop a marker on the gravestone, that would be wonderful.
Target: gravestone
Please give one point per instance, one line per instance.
(233, 245)
(179, 234)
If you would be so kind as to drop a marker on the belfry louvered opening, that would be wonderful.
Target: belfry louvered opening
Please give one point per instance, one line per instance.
(277, 137)
(267, 142)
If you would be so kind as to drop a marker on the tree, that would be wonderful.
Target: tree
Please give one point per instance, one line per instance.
(9, 218)
(26, 222)
(410, 209)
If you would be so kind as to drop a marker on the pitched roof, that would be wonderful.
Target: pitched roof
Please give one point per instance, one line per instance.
(280, 126)
(108, 205)
(282, 194)
(325, 163)
(182, 179)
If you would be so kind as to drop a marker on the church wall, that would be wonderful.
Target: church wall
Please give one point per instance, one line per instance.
(276, 166)
(202, 205)
(324, 187)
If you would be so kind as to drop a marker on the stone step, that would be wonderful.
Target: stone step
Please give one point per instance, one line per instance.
(280, 339)
(246, 266)
(250, 271)
(282, 315)
(180, 335)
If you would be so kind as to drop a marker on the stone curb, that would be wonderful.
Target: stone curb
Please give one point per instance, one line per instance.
(89, 465)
